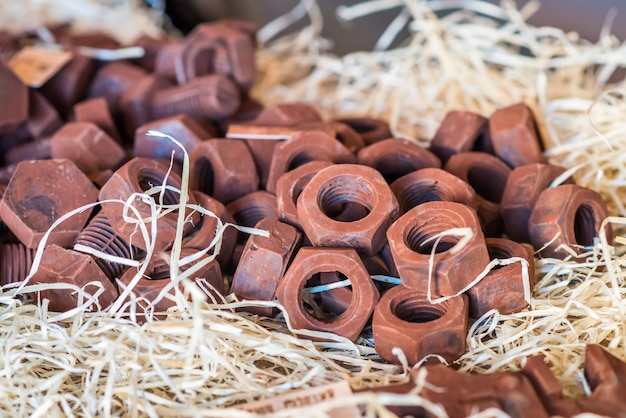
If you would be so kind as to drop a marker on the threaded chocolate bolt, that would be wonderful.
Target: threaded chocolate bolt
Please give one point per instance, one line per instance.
(15, 263)
(213, 96)
(99, 235)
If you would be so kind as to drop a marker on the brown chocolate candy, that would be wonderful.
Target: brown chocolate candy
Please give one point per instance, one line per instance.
(39, 193)
(43, 119)
(36, 150)
(371, 129)
(96, 111)
(112, 80)
(14, 99)
(136, 102)
(68, 86)
(263, 263)
(310, 261)
(412, 240)
(16, 261)
(459, 132)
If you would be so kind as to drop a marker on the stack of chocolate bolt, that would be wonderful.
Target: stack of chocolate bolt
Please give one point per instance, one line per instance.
(342, 200)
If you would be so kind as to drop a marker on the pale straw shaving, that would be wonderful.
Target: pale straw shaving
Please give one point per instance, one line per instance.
(203, 356)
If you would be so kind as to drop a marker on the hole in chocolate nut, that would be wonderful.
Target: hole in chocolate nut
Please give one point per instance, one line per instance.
(204, 175)
(496, 251)
(328, 305)
(149, 178)
(584, 225)
(417, 236)
(418, 310)
(487, 183)
(345, 199)
(394, 166)
(361, 126)
(160, 270)
(420, 192)
(300, 159)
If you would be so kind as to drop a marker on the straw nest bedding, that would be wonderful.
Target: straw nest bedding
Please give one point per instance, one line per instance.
(205, 357)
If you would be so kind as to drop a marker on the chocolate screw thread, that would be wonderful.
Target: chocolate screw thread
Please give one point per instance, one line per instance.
(15, 262)
(99, 235)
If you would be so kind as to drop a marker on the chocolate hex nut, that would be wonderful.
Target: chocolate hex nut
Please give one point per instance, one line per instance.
(339, 185)
(405, 318)
(522, 190)
(224, 169)
(59, 265)
(263, 263)
(97, 112)
(458, 132)
(430, 185)
(310, 261)
(567, 215)
(184, 129)
(514, 136)
(371, 129)
(68, 86)
(89, 147)
(136, 177)
(488, 176)
(303, 148)
(14, 99)
(412, 239)
(395, 157)
(502, 288)
(39, 193)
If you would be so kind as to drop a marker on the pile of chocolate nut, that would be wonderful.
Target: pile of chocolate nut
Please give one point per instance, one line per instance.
(342, 200)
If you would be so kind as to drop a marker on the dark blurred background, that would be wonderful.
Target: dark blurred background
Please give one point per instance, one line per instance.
(584, 16)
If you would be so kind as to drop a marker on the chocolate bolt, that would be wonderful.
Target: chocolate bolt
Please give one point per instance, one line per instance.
(151, 47)
(212, 97)
(39, 193)
(459, 132)
(310, 261)
(263, 263)
(69, 85)
(59, 265)
(90, 148)
(136, 102)
(14, 99)
(371, 129)
(97, 111)
(395, 157)
(15, 263)
(99, 235)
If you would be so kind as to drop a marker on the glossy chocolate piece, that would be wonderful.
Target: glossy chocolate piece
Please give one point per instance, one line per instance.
(459, 131)
(39, 193)
(138, 176)
(184, 129)
(371, 129)
(43, 119)
(112, 80)
(69, 85)
(412, 239)
(59, 265)
(522, 190)
(514, 136)
(405, 318)
(212, 97)
(331, 191)
(572, 212)
(16, 261)
(503, 287)
(14, 99)
(263, 263)
(432, 185)
(224, 169)
(136, 102)
(310, 261)
(96, 111)
(396, 157)
(488, 176)
(89, 147)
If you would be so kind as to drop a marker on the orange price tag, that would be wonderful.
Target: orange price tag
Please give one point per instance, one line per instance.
(34, 66)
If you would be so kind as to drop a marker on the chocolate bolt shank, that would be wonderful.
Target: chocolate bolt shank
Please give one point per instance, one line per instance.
(15, 263)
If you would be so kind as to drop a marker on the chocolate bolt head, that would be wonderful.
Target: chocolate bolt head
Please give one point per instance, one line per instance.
(212, 97)
(405, 318)
(136, 102)
(69, 85)
(432, 185)
(310, 261)
(522, 190)
(503, 287)
(488, 176)
(514, 136)
(371, 129)
(395, 157)
(567, 215)
(14, 99)
(412, 239)
(184, 129)
(224, 169)
(39, 193)
(90, 148)
(459, 132)
(263, 263)
(138, 176)
(333, 189)
(96, 111)
(59, 265)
